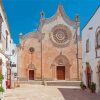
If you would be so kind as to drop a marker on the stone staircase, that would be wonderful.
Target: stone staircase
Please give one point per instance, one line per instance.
(63, 83)
(52, 83)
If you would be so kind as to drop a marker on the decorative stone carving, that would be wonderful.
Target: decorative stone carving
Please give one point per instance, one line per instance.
(60, 36)
(31, 66)
(61, 60)
(31, 49)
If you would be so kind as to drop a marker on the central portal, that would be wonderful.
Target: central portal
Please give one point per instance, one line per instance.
(60, 72)
(31, 74)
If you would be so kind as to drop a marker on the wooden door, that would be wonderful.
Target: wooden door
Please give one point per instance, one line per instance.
(88, 76)
(31, 74)
(61, 72)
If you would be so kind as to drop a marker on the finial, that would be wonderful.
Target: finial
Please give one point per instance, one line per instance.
(20, 34)
(77, 18)
(59, 5)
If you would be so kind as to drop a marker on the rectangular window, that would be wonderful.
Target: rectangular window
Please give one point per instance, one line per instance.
(98, 39)
(87, 46)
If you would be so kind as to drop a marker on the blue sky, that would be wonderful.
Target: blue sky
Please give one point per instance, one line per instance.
(23, 15)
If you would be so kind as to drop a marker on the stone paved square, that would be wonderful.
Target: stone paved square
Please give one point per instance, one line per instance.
(40, 92)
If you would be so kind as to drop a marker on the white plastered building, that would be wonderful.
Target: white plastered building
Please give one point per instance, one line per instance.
(91, 51)
(5, 46)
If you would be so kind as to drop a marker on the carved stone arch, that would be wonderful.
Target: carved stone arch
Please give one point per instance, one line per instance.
(61, 61)
(31, 71)
(31, 66)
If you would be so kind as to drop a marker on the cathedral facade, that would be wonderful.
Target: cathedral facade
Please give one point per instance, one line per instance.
(52, 52)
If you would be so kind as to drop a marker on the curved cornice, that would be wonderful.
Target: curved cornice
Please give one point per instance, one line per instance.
(30, 35)
(37, 35)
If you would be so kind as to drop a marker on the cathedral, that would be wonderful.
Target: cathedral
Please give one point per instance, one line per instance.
(53, 52)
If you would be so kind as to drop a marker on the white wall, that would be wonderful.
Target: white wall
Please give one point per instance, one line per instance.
(91, 56)
(3, 50)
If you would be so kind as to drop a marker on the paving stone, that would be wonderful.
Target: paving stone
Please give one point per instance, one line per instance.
(40, 92)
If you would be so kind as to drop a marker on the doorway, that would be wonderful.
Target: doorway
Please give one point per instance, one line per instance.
(99, 74)
(31, 74)
(89, 75)
(60, 72)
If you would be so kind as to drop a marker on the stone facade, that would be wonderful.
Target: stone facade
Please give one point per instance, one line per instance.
(54, 49)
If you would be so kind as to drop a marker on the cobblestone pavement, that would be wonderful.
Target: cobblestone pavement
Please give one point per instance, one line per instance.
(39, 92)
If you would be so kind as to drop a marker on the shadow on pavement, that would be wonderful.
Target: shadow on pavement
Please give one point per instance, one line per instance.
(78, 94)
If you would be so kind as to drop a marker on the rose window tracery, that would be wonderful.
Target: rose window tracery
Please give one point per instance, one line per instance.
(60, 36)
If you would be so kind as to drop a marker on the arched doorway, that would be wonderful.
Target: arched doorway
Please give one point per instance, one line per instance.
(60, 72)
(61, 68)
(31, 72)
(88, 74)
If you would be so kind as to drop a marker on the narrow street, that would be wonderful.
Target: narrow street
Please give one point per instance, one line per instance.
(40, 92)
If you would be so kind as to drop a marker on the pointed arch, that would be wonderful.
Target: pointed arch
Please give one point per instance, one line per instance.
(61, 68)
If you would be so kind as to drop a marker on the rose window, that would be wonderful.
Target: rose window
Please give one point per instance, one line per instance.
(60, 36)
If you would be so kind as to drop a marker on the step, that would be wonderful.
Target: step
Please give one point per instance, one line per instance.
(32, 82)
(63, 83)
